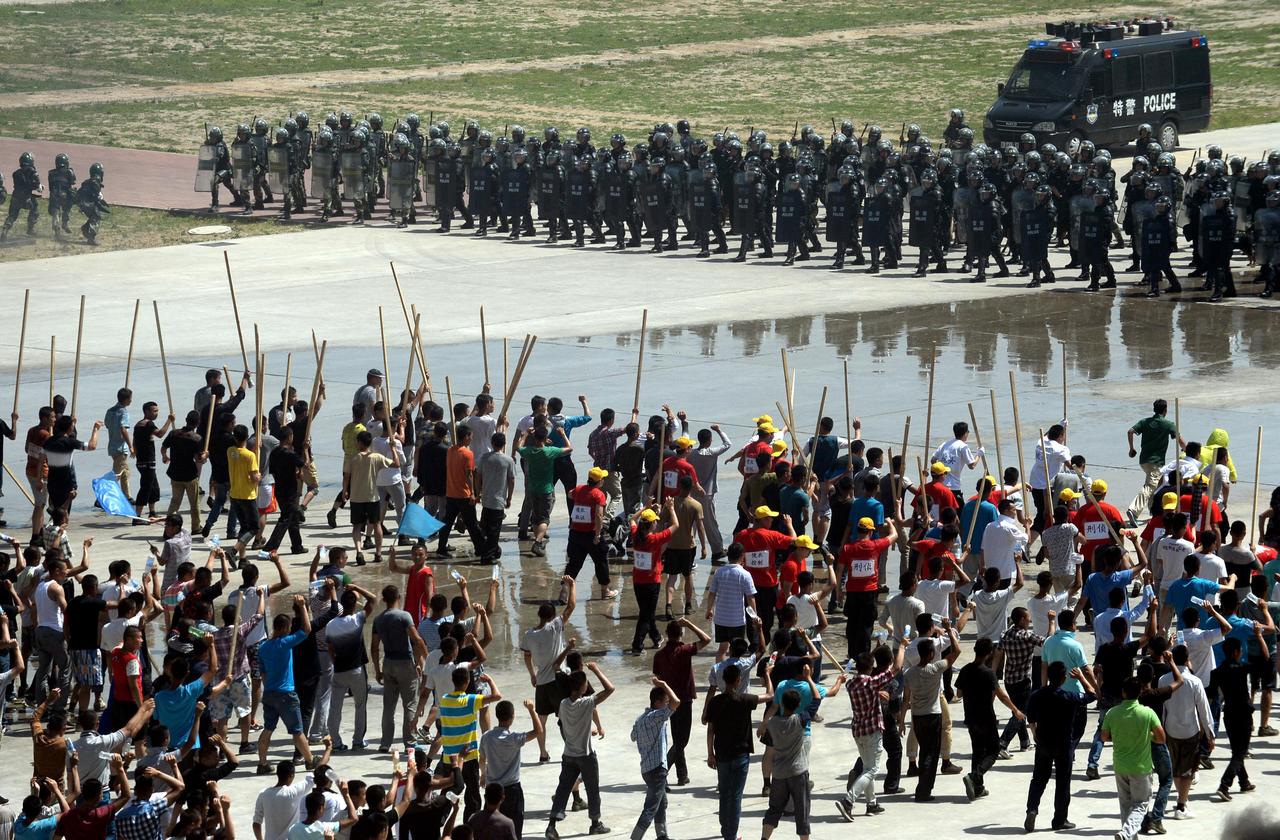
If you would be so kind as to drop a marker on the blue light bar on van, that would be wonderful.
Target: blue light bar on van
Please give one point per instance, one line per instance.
(1200, 41)
(1038, 43)
(1110, 53)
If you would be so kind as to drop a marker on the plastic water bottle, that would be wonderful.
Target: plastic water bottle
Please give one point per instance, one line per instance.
(5, 538)
(263, 554)
(324, 553)
(496, 569)
(456, 575)
(215, 542)
(151, 563)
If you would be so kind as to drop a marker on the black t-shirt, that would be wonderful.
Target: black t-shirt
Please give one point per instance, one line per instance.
(731, 714)
(84, 613)
(432, 467)
(58, 451)
(839, 515)
(978, 683)
(628, 460)
(144, 442)
(220, 443)
(1116, 663)
(208, 595)
(1232, 679)
(424, 820)
(183, 447)
(284, 465)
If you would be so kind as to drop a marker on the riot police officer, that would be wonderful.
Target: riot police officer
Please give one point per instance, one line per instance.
(485, 186)
(459, 165)
(379, 146)
(876, 233)
(516, 184)
(791, 211)
(325, 175)
(26, 188)
(751, 212)
(620, 202)
(654, 189)
(90, 201)
(62, 193)
(280, 165)
(1037, 224)
(843, 205)
(924, 204)
(1156, 234)
(445, 182)
(703, 212)
(261, 188)
(1095, 238)
(1217, 232)
(580, 198)
(955, 124)
(1266, 227)
(400, 179)
(984, 232)
(550, 189)
(221, 157)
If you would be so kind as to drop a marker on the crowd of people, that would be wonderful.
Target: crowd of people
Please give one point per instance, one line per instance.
(130, 738)
(954, 197)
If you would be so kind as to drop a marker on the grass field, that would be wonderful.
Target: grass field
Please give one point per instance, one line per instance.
(153, 73)
(125, 228)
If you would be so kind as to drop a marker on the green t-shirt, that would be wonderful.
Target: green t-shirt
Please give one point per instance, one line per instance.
(540, 471)
(1269, 571)
(1156, 431)
(1130, 726)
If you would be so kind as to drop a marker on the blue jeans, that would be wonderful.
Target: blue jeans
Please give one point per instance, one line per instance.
(732, 776)
(1164, 774)
(220, 493)
(1095, 751)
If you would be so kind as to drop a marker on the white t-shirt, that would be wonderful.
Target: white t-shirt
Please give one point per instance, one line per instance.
(992, 612)
(1219, 477)
(806, 612)
(439, 675)
(312, 831)
(115, 592)
(911, 656)
(276, 808)
(1214, 568)
(1040, 607)
(1171, 554)
(1056, 454)
(389, 475)
(956, 455)
(1200, 644)
(934, 594)
(251, 598)
(482, 429)
(113, 632)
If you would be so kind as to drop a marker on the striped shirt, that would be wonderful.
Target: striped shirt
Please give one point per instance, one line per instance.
(459, 724)
(732, 586)
(650, 734)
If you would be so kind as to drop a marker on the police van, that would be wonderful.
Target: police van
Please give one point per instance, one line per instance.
(1099, 82)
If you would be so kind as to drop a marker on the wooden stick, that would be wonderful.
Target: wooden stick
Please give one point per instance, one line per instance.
(315, 350)
(386, 375)
(285, 402)
(208, 425)
(257, 346)
(484, 345)
(928, 417)
(1064, 380)
(795, 443)
(408, 376)
(133, 334)
(422, 358)
(453, 423)
(835, 662)
(257, 418)
(22, 485)
(235, 635)
(644, 331)
(53, 351)
(408, 325)
(17, 375)
(164, 361)
(316, 384)
(995, 427)
(1257, 477)
(1177, 448)
(906, 431)
(1048, 485)
(922, 496)
(235, 306)
(848, 415)
(973, 520)
(822, 405)
(973, 423)
(525, 353)
(75, 378)
(506, 356)
(1017, 434)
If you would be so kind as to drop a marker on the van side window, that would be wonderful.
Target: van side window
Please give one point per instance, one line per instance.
(1126, 75)
(1099, 82)
(1158, 70)
(1191, 67)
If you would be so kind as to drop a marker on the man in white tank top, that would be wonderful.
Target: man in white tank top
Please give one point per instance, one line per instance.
(50, 647)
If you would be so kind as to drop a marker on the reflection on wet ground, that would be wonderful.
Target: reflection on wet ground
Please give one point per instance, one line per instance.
(1121, 353)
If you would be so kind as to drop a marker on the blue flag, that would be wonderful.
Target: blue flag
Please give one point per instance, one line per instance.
(416, 522)
(111, 498)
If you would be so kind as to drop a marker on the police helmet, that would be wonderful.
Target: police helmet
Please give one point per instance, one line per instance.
(1163, 203)
(454, 150)
(282, 134)
(471, 129)
(1165, 160)
(1048, 151)
(484, 138)
(957, 115)
(488, 156)
(551, 157)
(816, 142)
(1273, 198)
(1031, 181)
(873, 134)
(657, 162)
(1027, 139)
(433, 133)
(735, 145)
(550, 134)
(1217, 168)
(766, 150)
(929, 174)
(260, 126)
(1221, 196)
(502, 144)
(1009, 154)
(325, 136)
(846, 128)
(1151, 191)
(966, 135)
(677, 153)
(1144, 130)
(61, 161)
(437, 145)
(517, 134)
(344, 119)
(847, 173)
(707, 162)
(375, 121)
(1213, 152)
(618, 140)
(584, 135)
(882, 184)
(96, 172)
(682, 126)
(242, 130)
(793, 181)
(215, 134)
(519, 154)
(884, 146)
(1078, 171)
(986, 190)
(1140, 163)
(359, 135)
(624, 161)
(331, 120)
(913, 131)
(1043, 192)
(302, 119)
(784, 149)
(291, 126)
(1087, 149)
(1236, 163)
(1138, 178)
(443, 125)
(1032, 159)
(660, 138)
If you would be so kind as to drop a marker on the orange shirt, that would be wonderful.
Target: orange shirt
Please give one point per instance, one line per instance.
(460, 463)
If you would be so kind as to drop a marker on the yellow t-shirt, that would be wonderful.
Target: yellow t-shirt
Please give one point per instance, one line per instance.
(241, 464)
(349, 433)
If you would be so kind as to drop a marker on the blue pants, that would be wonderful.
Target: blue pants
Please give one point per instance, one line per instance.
(1164, 775)
(732, 776)
(1095, 751)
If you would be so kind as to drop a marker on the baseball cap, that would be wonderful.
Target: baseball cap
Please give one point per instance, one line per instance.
(649, 515)
(939, 468)
(866, 523)
(1169, 501)
(374, 372)
(1098, 487)
(779, 446)
(597, 474)
(762, 419)
(683, 442)
(1068, 495)
(764, 512)
(803, 541)
(1199, 478)
(767, 427)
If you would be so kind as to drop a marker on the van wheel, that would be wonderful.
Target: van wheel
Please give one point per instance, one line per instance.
(1168, 135)
(1072, 146)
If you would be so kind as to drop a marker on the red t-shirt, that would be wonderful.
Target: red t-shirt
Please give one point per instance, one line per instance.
(929, 549)
(85, 823)
(125, 668)
(415, 593)
(939, 496)
(1093, 526)
(582, 513)
(459, 463)
(788, 578)
(36, 438)
(646, 563)
(1213, 517)
(672, 468)
(862, 558)
(1155, 530)
(750, 452)
(761, 546)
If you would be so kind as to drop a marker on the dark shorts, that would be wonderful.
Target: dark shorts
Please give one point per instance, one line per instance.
(547, 697)
(1262, 673)
(281, 707)
(364, 513)
(540, 508)
(678, 561)
(1184, 754)
(255, 664)
(728, 634)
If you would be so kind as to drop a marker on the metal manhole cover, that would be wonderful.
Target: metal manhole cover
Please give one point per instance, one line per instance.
(210, 230)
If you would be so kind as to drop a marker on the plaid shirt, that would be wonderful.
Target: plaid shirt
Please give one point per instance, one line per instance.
(864, 695)
(1019, 646)
(222, 644)
(650, 734)
(601, 445)
(142, 820)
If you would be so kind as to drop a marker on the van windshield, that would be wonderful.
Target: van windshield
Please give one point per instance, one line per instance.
(1042, 81)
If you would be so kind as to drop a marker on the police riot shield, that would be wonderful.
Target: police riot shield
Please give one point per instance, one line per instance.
(430, 181)
(652, 204)
(242, 166)
(278, 169)
(678, 174)
(577, 195)
(617, 196)
(446, 184)
(1080, 204)
(959, 158)
(1020, 202)
(699, 206)
(479, 194)
(548, 192)
(839, 217)
(1140, 212)
(961, 207)
(875, 223)
(321, 172)
(1240, 201)
(206, 168)
(744, 205)
(791, 210)
(352, 167)
(399, 184)
(923, 218)
(1266, 235)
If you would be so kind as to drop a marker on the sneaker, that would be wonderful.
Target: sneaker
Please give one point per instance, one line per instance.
(1265, 731)
(1065, 825)
(1206, 763)
(1157, 827)
(1247, 787)
(360, 745)
(1092, 773)
(1004, 755)
(598, 828)
(950, 769)
(551, 833)
(333, 519)
(246, 748)
(874, 808)
(970, 789)
(578, 805)
(1223, 795)
(913, 769)
(845, 809)
(1029, 824)
(264, 770)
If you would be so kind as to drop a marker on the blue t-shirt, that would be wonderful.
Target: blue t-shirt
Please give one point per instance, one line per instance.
(826, 451)
(562, 425)
(176, 709)
(38, 829)
(794, 502)
(1181, 592)
(987, 514)
(868, 506)
(1242, 629)
(806, 698)
(276, 658)
(1099, 585)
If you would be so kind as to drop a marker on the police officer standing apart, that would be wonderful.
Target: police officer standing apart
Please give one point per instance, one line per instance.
(26, 187)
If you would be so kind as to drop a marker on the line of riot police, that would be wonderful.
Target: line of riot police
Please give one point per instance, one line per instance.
(64, 195)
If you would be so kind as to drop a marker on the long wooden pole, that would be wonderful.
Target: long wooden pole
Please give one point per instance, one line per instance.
(1048, 485)
(316, 385)
(258, 400)
(422, 356)
(235, 306)
(973, 422)
(53, 353)
(484, 346)
(928, 417)
(22, 340)
(453, 421)
(817, 427)
(235, 636)
(22, 485)
(906, 431)
(75, 378)
(257, 346)
(133, 334)
(1017, 434)
(506, 357)
(995, 429)
(1177, 448)
(644, 331)
(164, 360)
(315, 350)
(525, 353)
(977, 506)
(848, 415)
(208, 425)
(1257, 478)
(285, 402)
(1064, 379)
(408, 325)
(408, 375)
(386, 375)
